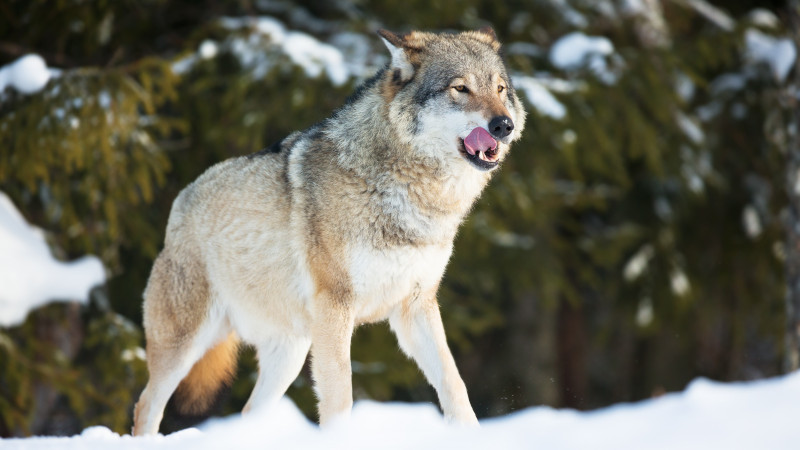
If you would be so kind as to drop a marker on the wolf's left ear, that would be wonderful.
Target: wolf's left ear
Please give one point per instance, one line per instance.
(398, 47)
(490, 37)
(489, 31)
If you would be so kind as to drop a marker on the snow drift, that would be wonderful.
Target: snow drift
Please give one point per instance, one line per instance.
(707, 415)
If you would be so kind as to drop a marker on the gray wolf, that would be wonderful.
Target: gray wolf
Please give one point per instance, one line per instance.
(351, 221)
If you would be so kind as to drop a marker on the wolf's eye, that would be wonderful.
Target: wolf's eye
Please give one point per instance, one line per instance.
(461, 88)
(500, 89)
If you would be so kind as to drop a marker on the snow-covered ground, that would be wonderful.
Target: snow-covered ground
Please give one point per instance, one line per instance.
(707, 415)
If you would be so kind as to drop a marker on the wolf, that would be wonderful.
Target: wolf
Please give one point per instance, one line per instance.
(351, 221)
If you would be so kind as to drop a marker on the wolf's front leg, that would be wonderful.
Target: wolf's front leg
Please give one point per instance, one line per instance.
(331, 333)
(419, 330)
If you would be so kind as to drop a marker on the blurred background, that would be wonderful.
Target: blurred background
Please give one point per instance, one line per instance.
(634, 240)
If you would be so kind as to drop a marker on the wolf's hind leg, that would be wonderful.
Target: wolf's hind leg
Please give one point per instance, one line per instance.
(280, 359)
(167, 368)
(179, 329)
(420, 333)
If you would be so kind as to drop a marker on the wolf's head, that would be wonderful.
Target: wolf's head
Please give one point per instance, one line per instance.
(450, 96)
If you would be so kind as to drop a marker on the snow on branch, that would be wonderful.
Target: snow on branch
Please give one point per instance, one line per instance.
(713, 14)
(539, 96)
(777, 53)
(29, 275)
(28, 74)
(305, 51)
(575, 50)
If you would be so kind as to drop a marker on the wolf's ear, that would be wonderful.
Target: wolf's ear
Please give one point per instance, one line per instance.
(489, 31)
(398, 47)
(490, 37)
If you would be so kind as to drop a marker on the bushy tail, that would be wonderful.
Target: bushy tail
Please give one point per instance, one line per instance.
(198, 391)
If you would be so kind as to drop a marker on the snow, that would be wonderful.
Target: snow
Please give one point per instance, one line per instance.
(728, 82)
(307, 52)
(638, 263)
(569, 137)
(758, 414)
(644, 312)
(131, 354)
(713, 14)
(29, 74)
(357, 52)
(695, 168)
(679, 283)
(796, 184)
(208, 49)
(751, 222)
(777, 53)
(649, 23)
(763, 18)
(633, 7)
(570, 14)
(684, 87)
(690, 128)
(575, 50)
(539, 96)
(29, 275)
(314, 57)
(723, 86)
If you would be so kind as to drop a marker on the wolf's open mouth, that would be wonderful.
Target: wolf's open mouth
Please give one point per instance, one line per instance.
(480, 149)
(485, 160)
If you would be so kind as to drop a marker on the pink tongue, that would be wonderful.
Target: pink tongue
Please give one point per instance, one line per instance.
(479, 140)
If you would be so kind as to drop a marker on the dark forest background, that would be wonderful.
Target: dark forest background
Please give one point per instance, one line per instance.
(624, 249)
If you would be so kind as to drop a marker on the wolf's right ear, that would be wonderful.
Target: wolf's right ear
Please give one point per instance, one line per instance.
(398, 47)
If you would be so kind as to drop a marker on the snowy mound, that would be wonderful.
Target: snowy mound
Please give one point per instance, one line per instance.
(707, 415)
(29, 275)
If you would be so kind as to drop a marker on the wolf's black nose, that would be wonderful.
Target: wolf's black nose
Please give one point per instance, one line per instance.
(501, 126)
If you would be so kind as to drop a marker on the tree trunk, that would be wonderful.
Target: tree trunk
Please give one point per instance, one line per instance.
(571, 355)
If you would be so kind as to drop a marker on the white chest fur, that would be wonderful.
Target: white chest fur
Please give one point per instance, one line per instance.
(384, 278)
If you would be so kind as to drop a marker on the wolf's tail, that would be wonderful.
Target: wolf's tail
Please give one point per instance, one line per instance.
(197, 392)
